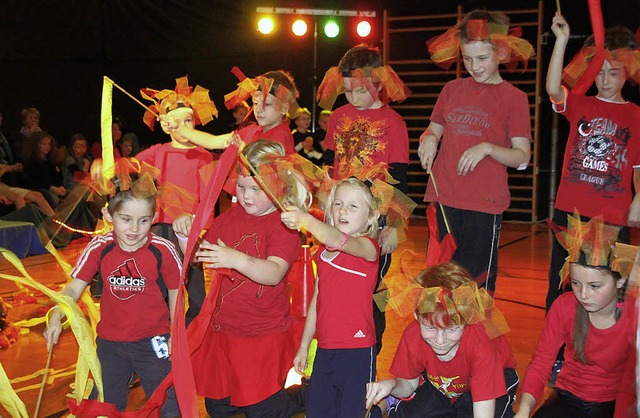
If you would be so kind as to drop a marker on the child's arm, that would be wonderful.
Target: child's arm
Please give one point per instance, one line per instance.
(517, 156)
(398, 387)
(330, 236)
(429, 145)
(300, 362)
(484, 409)
(181, 227)
(203, 139)
(54, 328)
(633, 219)
(527, 404)
(269, 271)
(560, 29)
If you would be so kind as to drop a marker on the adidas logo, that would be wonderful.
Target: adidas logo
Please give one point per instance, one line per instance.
(359, 334)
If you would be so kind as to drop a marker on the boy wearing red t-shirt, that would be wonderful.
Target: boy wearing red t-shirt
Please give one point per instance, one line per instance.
(603, 149)
(466, 372)
(485, 127)
(135, 266)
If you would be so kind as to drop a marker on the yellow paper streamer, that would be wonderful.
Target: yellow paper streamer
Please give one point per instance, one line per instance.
(8, 398)
(87, 357)
(108, 162)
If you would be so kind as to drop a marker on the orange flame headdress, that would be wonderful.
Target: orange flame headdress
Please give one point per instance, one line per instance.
(630, 59)
(465, 305)
(248, 86)
(183, 96)
(589, 242)
(445, 48)
(393, 89)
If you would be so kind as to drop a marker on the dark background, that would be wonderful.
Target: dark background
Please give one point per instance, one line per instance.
(53, 53)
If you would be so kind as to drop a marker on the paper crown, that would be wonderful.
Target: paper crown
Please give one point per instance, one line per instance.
(630, 59)
(393, 89)
(445, 48)
(183, 96)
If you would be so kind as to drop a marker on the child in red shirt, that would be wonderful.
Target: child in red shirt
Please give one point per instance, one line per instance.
(340, 313)
(248, 348)
(465, 370)
(135, 267)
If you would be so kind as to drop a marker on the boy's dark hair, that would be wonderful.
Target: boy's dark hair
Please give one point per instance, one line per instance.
(284, 79)
(491, 17)
(122, 196)
(616, 37)
(360, 56)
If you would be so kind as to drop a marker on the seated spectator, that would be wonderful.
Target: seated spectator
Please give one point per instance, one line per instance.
(30, 124)
(77, 163)
(117, 133)
(125, 144)
(42, 167)
(304, 140)
(241, 116)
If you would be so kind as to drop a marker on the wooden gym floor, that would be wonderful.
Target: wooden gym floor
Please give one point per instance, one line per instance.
(521, 288)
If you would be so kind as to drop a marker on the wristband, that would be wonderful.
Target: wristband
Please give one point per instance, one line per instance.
(425, 133)
(566, 93)
(342, 244)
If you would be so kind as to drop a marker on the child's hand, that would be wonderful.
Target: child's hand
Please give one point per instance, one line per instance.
(168, 124)
(96, 169)
(58, 190)
(307, 145)
(560, 27)
(388, 240)
(53, 330)
(427, 151)
(236, 140)
(300, 361)
(216, 255)
(377, 391)
(293, 218)
(182, 224)
(471, 157)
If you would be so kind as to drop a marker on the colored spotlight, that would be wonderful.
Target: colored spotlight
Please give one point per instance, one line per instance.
(299, 27)
(266, 25)
(331, 29)
(363, 29)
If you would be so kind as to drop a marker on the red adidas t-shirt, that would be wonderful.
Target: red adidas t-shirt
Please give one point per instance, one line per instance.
(132, 306)
(344, 305)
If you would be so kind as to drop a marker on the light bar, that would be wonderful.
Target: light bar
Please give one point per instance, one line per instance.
(315, 12)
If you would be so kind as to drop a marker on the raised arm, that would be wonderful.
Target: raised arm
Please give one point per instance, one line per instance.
(330, 236)
(561, 30)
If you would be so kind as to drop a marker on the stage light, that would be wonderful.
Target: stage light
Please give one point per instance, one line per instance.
(299, 27)
(266, 25)
(331, 29)
(363, 29)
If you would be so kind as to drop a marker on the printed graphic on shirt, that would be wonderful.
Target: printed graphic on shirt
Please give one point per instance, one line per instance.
(447, 385)
(359, 334)
(358, 138)
(468, 120)
(126, 281)
(599, 155)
